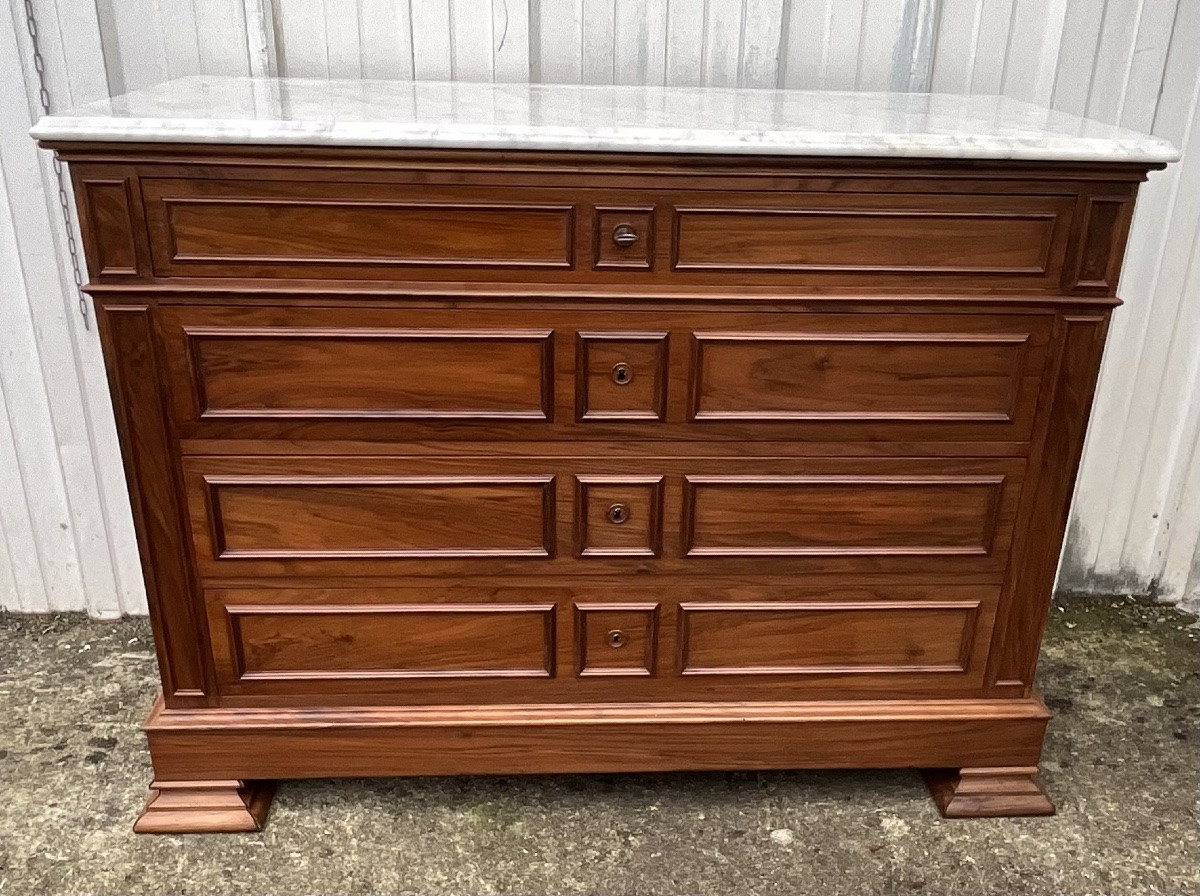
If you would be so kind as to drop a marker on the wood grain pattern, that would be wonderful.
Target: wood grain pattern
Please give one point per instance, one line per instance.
(553, 739)
(858, 376)
(797, 516)
(370, 374)
(1023, 618)
(218, 229)
(434, 476)
(290, 641)
(788, 639)
(146, 446)
(922, 236)
(338, 517)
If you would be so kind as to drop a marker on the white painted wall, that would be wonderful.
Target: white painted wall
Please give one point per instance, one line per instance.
(66, 540)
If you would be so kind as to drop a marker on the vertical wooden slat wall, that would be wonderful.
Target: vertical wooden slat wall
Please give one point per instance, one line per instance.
(66, 542)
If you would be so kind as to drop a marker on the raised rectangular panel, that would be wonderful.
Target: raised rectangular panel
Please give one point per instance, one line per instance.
(840, 515)
(785, 638)
(983, 235)
(280, 641)
(401, 234)
(616, 638)
(623, 238)
(619, 516)
(262, 229)
(1101, 244)
(109, 234)
(859, 377)
(380, 517)
(363, 373)
(621, 376)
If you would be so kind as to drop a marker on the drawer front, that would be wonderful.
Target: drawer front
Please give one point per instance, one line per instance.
(442, 515)
(683, 639)
(836, 239)
(356, 231)
(786, 637)
(906, 240)
(395, 374)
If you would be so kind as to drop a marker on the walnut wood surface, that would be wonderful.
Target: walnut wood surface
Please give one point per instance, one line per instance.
(530, 373)
(458, 462)
(512, 739)
(987, 792)
(206, 807)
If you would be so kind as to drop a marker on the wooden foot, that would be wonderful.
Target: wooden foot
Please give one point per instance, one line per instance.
(987, 792)
(206, 807)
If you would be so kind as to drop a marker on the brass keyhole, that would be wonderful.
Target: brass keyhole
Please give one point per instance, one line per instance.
(618, 513)
(616, 638)
(622, 373)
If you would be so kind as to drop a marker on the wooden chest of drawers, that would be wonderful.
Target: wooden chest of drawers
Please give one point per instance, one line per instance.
(476, 462)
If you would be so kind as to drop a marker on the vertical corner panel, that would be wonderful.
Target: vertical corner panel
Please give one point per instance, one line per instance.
(127, 336)
(1104, 229)
(107, 219)
(1034, 561)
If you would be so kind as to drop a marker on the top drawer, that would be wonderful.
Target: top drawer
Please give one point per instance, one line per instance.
(906, 242)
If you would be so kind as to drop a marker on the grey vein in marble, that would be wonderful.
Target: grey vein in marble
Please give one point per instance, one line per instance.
(301, 112)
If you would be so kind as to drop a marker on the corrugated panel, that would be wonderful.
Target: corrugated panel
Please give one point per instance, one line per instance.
(1135, 523)
(1129, 529)
(66, 524)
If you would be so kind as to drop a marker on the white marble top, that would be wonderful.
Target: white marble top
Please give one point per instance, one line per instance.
(205, 109)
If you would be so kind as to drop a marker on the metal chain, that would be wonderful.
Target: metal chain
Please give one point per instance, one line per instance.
(39, 66)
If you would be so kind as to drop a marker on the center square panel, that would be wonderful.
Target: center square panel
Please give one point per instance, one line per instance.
(618, 516)
(621, 376)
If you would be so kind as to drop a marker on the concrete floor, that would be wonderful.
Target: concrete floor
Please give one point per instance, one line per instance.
(1121, 763)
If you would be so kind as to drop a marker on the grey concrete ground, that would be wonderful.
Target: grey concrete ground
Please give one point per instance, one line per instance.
(1121, 762)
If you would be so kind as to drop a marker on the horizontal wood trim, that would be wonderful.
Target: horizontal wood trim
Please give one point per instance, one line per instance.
(561, 738)
(346, 162)
(308, 292)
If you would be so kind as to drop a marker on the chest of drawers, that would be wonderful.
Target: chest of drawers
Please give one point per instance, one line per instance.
(451, 461)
